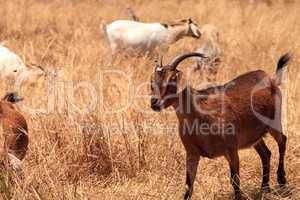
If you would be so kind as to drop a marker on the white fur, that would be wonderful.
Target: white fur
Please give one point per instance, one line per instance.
(159, 69)
(123, 34)
(144, 37)
(12, 66)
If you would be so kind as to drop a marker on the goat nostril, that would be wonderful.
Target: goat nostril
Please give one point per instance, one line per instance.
(153, 101)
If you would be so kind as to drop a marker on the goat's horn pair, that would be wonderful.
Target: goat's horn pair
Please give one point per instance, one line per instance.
(161, 62)
(175, 62)
(41, 68)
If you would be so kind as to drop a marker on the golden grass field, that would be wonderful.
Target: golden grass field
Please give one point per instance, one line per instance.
(134, 153)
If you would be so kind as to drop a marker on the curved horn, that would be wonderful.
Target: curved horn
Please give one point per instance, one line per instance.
(159, 62)
(41, 68)
(180, 58)
(156, 63)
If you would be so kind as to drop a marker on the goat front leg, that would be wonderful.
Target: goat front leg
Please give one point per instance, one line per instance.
(4, 156)
(234, 163)
(192, 162)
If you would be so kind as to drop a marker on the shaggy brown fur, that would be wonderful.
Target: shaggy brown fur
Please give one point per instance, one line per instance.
(14, 127)
(219, 121)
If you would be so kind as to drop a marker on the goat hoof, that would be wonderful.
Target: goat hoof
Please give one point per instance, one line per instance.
(187, 195)
(238, 196)
(266, 188)
(282, 181)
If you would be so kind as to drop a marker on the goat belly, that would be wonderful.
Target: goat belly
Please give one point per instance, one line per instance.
(200, 139)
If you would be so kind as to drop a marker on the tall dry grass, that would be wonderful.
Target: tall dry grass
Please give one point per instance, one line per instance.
(135, 153)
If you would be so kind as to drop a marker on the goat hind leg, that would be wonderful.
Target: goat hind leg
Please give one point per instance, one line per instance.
(265, 156)
(281, 141)
(276, 131)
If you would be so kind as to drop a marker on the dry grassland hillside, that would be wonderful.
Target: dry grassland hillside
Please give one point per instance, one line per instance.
(92, 132)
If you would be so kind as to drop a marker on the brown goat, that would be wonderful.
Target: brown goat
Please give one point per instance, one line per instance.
(219, 121)
(14, 127)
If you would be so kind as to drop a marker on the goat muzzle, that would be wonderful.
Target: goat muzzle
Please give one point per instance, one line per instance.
(198, 35)
(155, 105)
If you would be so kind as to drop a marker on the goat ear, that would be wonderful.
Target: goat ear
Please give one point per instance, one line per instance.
(180, 81)
(179, 75)
(190, 20)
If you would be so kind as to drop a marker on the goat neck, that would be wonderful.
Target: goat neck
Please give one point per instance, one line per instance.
(176, 33)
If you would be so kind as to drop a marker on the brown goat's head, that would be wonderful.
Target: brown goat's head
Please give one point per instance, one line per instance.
(12, 97)
(164, 82)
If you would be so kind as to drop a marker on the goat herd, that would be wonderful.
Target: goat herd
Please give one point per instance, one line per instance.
(213, 122)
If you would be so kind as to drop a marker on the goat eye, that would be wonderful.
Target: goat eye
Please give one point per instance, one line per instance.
(15, 70)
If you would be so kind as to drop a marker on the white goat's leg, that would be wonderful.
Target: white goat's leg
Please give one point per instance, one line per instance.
(113, 48)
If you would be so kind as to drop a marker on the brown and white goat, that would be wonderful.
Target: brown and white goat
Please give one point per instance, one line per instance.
(221, 120)
(14, 129)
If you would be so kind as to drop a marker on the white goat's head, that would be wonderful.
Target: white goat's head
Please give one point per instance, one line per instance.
(191, 27)
(32, 74)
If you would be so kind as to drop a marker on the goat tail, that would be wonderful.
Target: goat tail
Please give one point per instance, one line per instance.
(282, 62)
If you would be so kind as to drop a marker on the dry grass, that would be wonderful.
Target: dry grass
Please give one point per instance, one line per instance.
(136, 154)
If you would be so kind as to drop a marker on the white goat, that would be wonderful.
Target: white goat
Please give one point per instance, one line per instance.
(210, 48)
(145, 37)
(12, 67)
